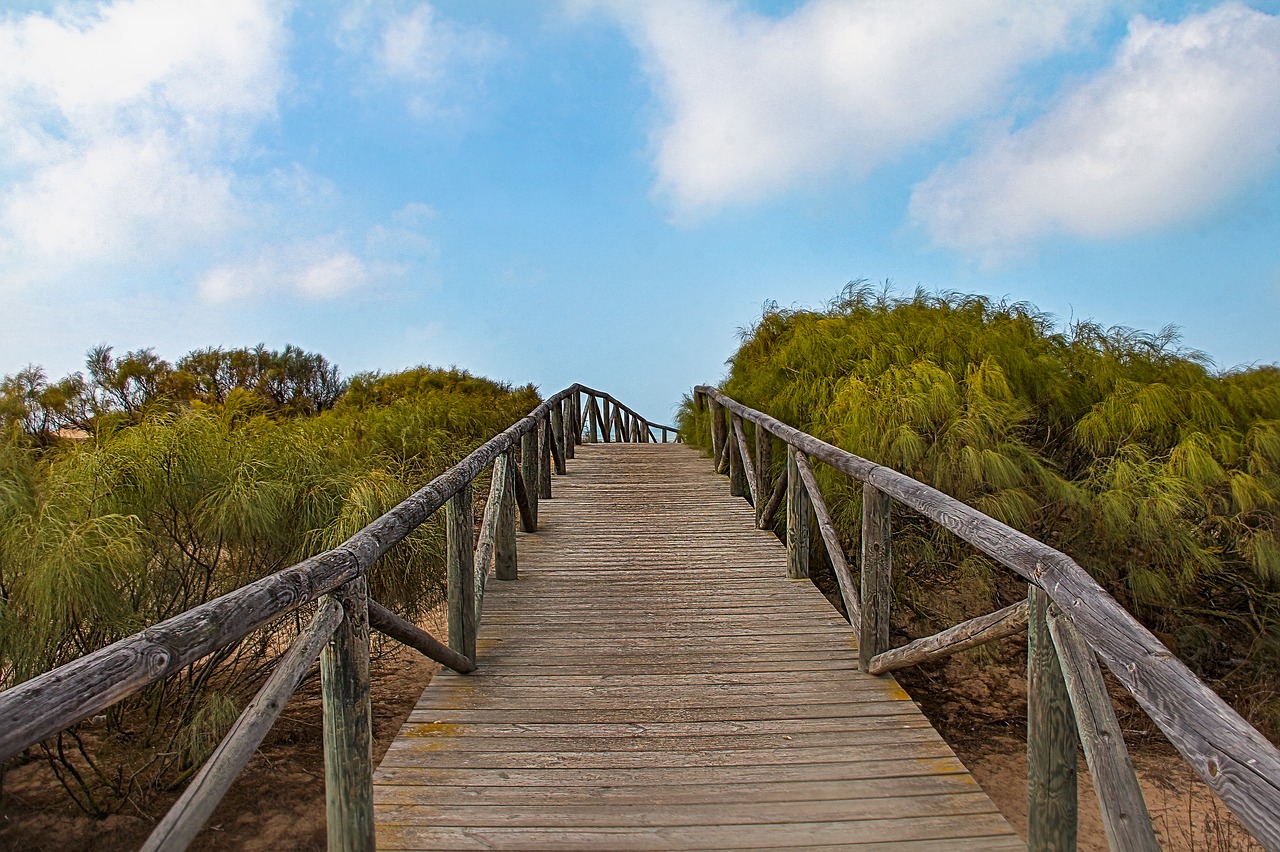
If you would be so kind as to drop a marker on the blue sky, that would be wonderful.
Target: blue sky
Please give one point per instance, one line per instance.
(607, 191)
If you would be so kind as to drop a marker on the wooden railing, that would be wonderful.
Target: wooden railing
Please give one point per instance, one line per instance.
(1070, 621)
(339, 631)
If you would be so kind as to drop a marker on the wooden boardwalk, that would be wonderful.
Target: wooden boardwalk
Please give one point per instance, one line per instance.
(653, 681)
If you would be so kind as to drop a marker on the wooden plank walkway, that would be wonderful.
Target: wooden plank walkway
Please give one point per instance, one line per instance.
(653, 681)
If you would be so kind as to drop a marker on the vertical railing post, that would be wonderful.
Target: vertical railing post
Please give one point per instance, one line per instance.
(529, 471)
(606, 414)
(877, 570)
(504, 547)
(593, 434)
(764, 469)
(797, 519)
(576, 399)
(544, 458)
(572, 431)
(1051, 738)
(348, 734)
(737, 470)
(461, 571)
(557, 435)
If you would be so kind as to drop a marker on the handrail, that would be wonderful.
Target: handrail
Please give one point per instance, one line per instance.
(53, 701)
(1232, 757)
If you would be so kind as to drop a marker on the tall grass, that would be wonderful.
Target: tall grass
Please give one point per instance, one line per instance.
(171, 506)
(1158, 474)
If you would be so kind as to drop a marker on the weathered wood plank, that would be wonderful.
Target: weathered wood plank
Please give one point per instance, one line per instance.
(969, 634)
(664, 674)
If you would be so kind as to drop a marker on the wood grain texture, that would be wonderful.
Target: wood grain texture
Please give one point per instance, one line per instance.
(1234, 759)
(877, 568)
(505, 558)
(797, 520)
(849, 591)
(968, 634)
(1124, 812)
(460, 569)
(348, 719)
(387, 622)
(1051, 739)
(654, 682)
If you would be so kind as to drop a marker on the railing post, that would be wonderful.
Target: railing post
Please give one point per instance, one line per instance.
(606, 415)
(348, 734)
(717, 429)
(593, 434)
(764, 468)
(571, 430)
(1051, 738)
(797, 520)
(557, 435)
(504, 546)
(877, 570)
(461, 571)
(529, 472)
(544, 458)
(737, 471)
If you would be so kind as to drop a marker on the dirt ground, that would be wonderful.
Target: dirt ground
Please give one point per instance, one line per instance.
(278, 802)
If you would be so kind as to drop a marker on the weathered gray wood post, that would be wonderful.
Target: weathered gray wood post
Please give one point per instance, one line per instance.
(1051, 738)
(348, 735)
(717, 429)
(764, 470)
(571, 428)
(593, 418)
(877, 570)
(529, 473)
(797, 520)
(557, 435)
(505, 559)
(606, 421)
(544, 458)
(737, 471)
(461, 571)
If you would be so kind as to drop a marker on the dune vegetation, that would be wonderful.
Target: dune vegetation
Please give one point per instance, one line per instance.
(141, 488)
(1158, 474)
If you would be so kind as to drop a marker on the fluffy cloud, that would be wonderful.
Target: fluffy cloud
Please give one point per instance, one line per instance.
(757, 104)
(1188, 114)
(313, 271)
(432, 57)
(118, 121)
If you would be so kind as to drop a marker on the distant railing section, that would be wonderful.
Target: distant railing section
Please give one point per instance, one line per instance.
(1070, 621)
(523, 458)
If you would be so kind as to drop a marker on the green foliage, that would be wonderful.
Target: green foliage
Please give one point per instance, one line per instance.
(1159, 476)
(178, 502)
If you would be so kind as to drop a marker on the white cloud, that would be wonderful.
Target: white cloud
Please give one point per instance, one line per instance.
(1186, 117)
(316, 271)
(118, 122)
(757, 104)
(440, 62)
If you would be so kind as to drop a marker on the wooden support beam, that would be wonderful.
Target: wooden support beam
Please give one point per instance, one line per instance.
(953, 640)
(877, 568)
(593, 420)
(489, 530)
(348, 732)
(797, 521)
(504, 558)
(558, 446)
(718, 443)
(388, 623)
(748, 469)
(1051, 738)
(461, 570)
(544, 460)
(527, 484)
(722, 460)
(775, 500)
(839, 564)
(737, 473)
(606, 422)
(528, 522)
(1124, 812)
(764, 469)
(620, 431)
(572, 431)
(197, 803)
